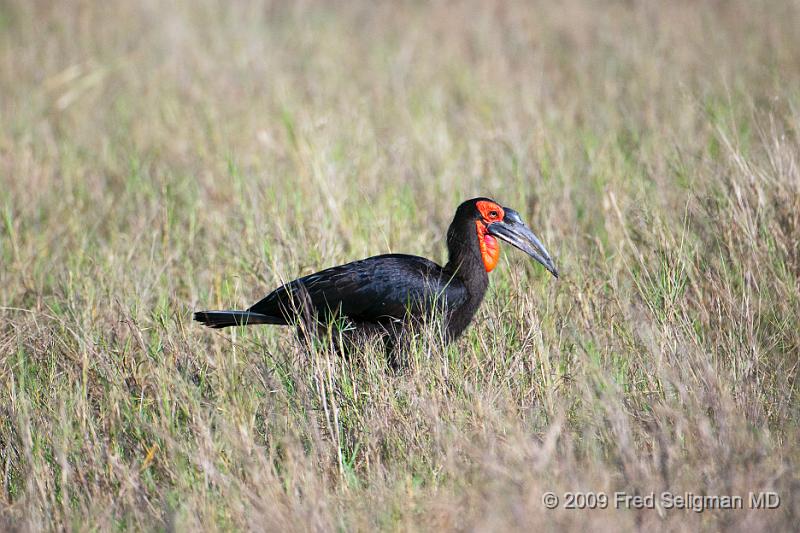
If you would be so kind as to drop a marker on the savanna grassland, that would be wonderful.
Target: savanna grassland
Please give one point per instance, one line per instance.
(162, 157)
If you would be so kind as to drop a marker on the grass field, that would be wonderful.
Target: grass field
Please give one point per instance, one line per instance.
(162, 157)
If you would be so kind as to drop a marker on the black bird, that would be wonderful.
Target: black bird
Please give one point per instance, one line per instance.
(387, 294)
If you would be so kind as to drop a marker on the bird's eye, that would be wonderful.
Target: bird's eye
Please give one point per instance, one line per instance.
(493, 214)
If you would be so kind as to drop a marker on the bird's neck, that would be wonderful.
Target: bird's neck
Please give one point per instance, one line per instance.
(466, 266)
(465, 261)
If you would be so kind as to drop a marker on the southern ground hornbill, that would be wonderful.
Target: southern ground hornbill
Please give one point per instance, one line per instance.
(386, 295)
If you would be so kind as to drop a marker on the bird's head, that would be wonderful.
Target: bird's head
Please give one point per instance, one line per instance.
(493, 221)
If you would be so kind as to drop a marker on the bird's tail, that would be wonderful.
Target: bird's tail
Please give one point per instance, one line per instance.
(224, 319)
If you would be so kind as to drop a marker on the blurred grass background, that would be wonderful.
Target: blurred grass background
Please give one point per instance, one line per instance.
(160, 157)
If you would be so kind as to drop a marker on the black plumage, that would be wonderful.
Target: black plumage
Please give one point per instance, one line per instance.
(387, 295)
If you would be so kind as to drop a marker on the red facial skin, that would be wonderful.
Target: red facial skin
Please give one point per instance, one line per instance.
(490, 248)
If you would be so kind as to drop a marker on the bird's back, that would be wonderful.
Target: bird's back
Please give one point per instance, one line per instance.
(376, 289)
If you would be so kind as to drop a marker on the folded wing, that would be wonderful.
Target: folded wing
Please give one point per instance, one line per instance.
(379, 288)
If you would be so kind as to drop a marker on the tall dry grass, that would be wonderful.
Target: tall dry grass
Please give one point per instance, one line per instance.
(161, 157)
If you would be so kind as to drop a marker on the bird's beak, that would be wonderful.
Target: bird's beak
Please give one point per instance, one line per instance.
(514, 231)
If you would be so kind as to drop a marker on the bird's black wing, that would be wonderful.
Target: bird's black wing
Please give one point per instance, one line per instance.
(374, 289)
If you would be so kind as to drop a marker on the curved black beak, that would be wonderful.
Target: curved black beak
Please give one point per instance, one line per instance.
(514, 231)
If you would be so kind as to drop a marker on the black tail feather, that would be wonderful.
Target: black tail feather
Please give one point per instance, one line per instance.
(224, 319)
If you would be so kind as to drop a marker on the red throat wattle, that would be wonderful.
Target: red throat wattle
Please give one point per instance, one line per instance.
(490, 248)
